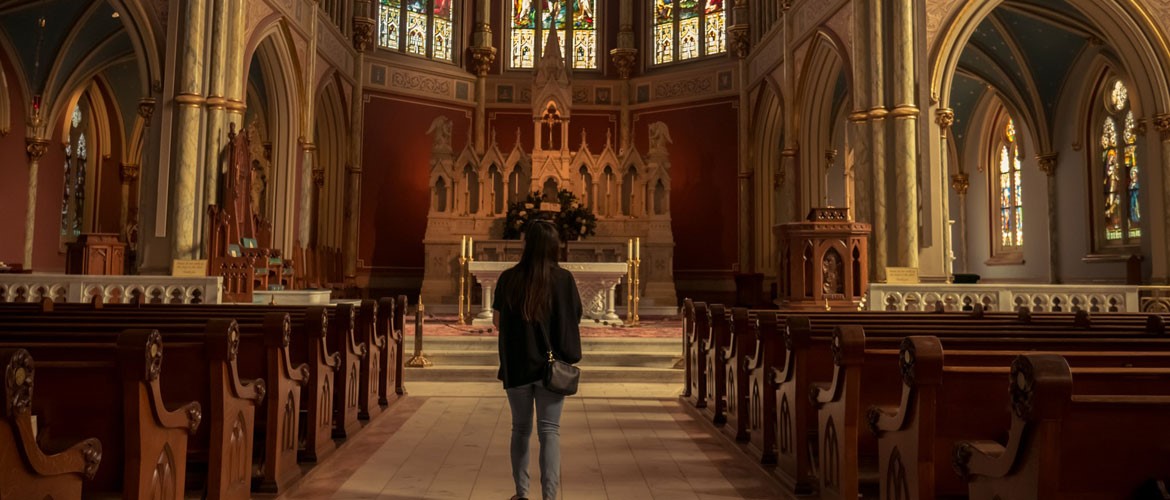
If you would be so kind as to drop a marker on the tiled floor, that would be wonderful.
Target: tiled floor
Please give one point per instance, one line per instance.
(618, 441)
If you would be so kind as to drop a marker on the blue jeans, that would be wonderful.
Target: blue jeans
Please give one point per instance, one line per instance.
(548, 429)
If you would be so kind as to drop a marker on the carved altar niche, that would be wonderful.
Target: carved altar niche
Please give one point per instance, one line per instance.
(823, 261)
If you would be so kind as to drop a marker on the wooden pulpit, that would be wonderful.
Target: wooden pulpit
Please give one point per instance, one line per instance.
(824, 261)
(96, 253)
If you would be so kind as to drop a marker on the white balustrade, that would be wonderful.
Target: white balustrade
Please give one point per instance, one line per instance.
(1010, 297)
(112, 289)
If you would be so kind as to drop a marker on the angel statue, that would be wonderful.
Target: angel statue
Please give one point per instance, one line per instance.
(659, 137)
(440, 133)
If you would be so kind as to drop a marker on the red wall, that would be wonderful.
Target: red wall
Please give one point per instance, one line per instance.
(396, 166)
(704, 170)
(13, 174)
(395, 176)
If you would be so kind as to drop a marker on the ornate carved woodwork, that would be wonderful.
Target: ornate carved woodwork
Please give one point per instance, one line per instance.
(823, 261)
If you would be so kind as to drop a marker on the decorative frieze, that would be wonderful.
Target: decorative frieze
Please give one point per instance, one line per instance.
(691, 87)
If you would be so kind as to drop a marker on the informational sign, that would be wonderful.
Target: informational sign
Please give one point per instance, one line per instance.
(550, 207)
(189, 268)
(901, 275)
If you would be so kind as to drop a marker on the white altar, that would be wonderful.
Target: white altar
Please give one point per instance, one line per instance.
(595, 282)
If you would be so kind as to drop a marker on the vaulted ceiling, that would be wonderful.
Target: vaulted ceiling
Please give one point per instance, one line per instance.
(1023, 51)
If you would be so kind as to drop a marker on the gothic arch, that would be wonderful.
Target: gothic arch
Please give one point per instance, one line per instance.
(1125, 25)
(331, 136)
(273, 58)
(767, 132)
(824, 90)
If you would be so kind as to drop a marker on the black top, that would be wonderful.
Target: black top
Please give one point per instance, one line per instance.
(523, 352)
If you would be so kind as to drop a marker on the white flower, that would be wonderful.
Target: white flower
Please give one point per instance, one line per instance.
(524, 213)
(528, 205)
(583, 229)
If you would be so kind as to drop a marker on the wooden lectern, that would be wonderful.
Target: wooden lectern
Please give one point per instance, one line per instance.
(824, 261)
(97, 254)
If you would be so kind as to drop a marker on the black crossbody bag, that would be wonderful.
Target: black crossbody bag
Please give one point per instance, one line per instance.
(559, 376)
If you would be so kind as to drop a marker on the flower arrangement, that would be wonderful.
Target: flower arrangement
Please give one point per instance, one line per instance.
(572, 218)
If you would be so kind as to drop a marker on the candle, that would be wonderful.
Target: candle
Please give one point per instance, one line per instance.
(637, 248)
(630, 249)
(470, 247)
(463, 247)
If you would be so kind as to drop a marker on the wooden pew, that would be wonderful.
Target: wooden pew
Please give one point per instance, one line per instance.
(26, 470)
(808, 360)
(764, 357)
(716, 372)
(222, 451)
(1067, 444)
(308, 341)
(735, 361)
(400, 327)
(943, 403)
(697, 356)
(144, 444)
(688, 333)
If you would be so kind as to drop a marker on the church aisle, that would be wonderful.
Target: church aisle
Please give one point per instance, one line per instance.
(618, 441)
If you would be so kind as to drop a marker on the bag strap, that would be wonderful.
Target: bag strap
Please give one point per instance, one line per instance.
(547, 341)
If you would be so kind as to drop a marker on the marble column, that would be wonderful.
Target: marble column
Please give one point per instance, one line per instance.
(234, 69)
(945, 117)
(625, 59)
(190, 101)
(1047, 163)
(740, 44)
(960, 182)
(1162, 125)
(905, 144)
(216, 104)
(363, 40)
(483, 55)
(128, 174)
(35, 148)
(877, 116)
(315, 223)
(308, 201)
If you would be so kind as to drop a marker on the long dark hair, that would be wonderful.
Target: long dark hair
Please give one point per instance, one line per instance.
(533, 295)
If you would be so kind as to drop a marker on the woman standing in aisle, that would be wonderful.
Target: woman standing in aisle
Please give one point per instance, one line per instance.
(537, 311)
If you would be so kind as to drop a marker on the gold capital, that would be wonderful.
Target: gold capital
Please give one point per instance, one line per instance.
(944, 117)
(35, 148)
(1047, 163)
(146, 109)
(1162, 125)
(960, 182)
(128, 173)
(482, 59)
(624, 59)
(363, 34)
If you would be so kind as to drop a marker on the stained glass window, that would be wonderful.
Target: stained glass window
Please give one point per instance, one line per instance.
(687, 29)
(1010, 188)
(420, 27)
(73, 187)
(389, 18)
(1120, 169)
(575, 22)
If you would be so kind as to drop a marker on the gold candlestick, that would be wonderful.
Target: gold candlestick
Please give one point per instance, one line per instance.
(470, 286)
(637, 289)
(630, 291)
(419, 360)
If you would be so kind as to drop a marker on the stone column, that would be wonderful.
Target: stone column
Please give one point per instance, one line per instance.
(960, 182)
(945, 117)
(485, 310)
(1162, 125)
(905, 144)
(315, 221)
(190, 100)
(208, 190)
(35, 148)
(129, 174)
(308, 201)
(739, 35)
(877, 116)
(1047, 163)
(363, 40)
(625, 59)
(235, 75)
(483, 55)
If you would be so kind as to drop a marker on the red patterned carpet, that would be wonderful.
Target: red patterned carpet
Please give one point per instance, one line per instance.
(652, 328)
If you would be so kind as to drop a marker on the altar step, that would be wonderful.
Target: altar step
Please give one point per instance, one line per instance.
(625, 360)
